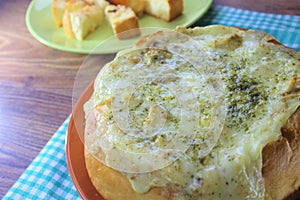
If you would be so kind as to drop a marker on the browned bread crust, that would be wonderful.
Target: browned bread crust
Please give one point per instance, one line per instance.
(123, 21)
(67, 26)
(136, 5)
(281, 161)
(58, 8)
(169, 11)
(111, 184)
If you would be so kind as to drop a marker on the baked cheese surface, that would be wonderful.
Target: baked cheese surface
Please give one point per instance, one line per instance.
(191, 111)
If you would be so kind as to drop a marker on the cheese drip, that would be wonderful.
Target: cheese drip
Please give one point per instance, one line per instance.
(249, 81)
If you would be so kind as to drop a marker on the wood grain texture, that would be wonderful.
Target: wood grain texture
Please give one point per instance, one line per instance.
(36, 84)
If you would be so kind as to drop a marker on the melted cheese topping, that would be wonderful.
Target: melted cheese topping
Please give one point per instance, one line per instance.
(195, 118)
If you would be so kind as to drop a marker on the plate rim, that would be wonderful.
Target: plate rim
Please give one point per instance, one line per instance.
(79, 174)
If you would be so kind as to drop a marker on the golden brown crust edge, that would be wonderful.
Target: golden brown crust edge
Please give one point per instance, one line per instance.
(175, 10)
(281, 161)
(281, 165)
(128, 29)
(113, 185)
(57, 13)
(67, 24)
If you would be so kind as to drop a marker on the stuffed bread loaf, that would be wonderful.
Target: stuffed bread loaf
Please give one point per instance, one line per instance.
(245, 98)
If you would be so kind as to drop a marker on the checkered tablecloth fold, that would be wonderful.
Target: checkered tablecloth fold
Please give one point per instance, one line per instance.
(47, 176)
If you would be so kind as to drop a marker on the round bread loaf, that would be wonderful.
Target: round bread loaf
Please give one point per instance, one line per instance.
(237, 94)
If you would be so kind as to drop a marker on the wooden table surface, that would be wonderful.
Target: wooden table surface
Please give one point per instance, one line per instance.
(36, 84)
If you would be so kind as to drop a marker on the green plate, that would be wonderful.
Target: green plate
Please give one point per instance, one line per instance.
(41, 25)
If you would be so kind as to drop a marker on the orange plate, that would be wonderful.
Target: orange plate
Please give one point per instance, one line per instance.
(75, 150)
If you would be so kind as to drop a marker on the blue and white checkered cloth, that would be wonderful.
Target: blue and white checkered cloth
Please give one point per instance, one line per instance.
(285, 28)
(47, 176)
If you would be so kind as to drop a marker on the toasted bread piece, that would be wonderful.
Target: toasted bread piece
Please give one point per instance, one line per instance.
(164, 9)
(281, 161)
(101, 3)
(81, 18)
(122, 19)
(136, 5)
(58, 9)
(102, 173)
(267, 163)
